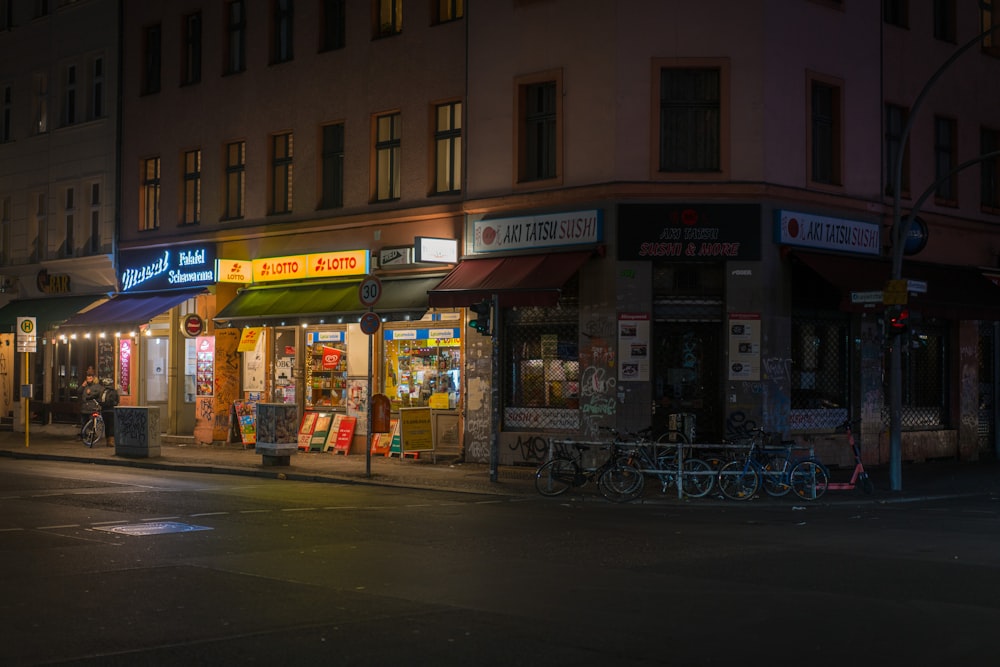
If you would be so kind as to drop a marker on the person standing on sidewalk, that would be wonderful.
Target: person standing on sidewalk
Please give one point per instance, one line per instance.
(90, 390)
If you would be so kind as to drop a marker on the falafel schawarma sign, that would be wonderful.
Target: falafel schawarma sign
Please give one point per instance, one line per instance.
(538, 231)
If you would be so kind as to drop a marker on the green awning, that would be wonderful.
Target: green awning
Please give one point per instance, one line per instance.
(48, 311)
(293, 304)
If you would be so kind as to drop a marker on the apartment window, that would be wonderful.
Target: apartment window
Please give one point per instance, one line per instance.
(151, 59)
(989, 142)
(539, 129)
(895, 120)
(69, 224)
(825, 129)
(5, 247)
(945, 159)
(38, 241)
(282, 154)
(69, 96)
(97, 88)
(390, 18)
(192, 188)
(95, 218)
(448, 148)
(191, 57)
(41, 104)
(332, 31)
(387, 154)
(236, 176)
(944, 20)
(8, 109)
(990, 25)
(41, 8)
(236, 37)
(896, 12)
(450, 10)
(281, 31)
(6, 14)
(150, 194)
(332, 178)
(690, 119)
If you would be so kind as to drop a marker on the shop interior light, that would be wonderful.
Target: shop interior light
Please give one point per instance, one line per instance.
(72, 336)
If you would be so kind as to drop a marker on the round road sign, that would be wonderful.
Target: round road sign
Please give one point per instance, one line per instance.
(370, 323)
(369, 291)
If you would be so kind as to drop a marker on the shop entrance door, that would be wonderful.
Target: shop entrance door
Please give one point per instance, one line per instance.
(686, 376)
(157, 355)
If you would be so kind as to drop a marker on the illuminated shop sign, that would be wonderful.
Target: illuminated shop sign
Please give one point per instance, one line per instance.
(234, 271)
(443, 251)
(689, 232)
(538, 231)
(168, 268)
(421, 334)
(321, 265)
(826, 233)
(324, 337)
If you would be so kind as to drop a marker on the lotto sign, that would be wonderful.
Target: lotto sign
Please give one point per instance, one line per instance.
(249, 339)
(27, 336)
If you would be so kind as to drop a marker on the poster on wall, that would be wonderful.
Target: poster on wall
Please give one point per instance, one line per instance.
(357, 402)
(633, 347)
(744, 346)
(205, 365)
(125, 349)
(254, 367)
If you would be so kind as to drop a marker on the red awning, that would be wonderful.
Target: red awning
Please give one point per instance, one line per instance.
(520, 280)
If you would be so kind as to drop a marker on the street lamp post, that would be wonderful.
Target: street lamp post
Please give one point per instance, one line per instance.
(900, 230)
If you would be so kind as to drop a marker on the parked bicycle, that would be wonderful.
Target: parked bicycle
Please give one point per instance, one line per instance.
(615, 479)
(760, 466)
(93, 430)
(659, 459)
(810, 479)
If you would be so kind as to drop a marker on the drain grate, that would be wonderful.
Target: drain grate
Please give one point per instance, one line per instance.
(153, 528)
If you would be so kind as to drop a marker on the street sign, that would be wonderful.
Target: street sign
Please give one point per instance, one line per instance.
(370, 323)
(867, 297)
(27, 336)
(369, 291)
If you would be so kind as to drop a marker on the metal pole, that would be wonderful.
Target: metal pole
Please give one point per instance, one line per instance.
(899, 233)
(368, 401)
(495, 391)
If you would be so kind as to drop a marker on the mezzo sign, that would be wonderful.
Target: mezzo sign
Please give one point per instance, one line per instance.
(167, 268)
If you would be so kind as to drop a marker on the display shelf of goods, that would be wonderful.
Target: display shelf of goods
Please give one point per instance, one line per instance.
(327, 385)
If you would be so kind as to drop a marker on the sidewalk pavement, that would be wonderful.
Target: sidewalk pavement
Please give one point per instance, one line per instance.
(935, 479)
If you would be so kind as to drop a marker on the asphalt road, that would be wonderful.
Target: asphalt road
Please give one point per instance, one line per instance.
(122, 566)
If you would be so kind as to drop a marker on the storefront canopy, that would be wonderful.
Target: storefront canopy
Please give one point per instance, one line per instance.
(312, 303)
(126, 310)
(953, 292)
(520, 280)
(49, 312)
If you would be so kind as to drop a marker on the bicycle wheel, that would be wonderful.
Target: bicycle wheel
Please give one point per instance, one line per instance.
(666, 444)
(556, 476)
(621, 482)
(809, 479)
(92, 431)
(698, 478)
(739, 480)
(774, 477)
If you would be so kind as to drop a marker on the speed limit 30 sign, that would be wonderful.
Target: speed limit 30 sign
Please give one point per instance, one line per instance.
(369, 291)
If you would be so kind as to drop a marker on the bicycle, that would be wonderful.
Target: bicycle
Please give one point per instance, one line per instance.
(93, 429)
(659, 459)
(759, 467)
(565, 471)
(810, 479)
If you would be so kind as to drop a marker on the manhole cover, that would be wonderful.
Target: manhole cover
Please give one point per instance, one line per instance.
(153, 528)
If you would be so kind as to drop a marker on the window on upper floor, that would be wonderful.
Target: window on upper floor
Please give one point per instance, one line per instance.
(6, 113)
(944, 20)
(40, 104)
(97, 102)
(282, 172)
(236, 177)
(41, 8)
(191, 54)
(990, 24)
(390, 18)
(191, 212)
(236, 37)
(989, 143)
(895, 120)
(332, 28)
(539, 127)
(69, 97)
(68, 248)
(388, 142)
(690, 119)
(825, 132)
(448, 148)
(896, 12)
(95, 219)
(332, 166)
(38, 228)
(945, 160)
(450, 10)
(5, 235)
(6, 14)
(281, 31)
(151, 59)
(149, 194)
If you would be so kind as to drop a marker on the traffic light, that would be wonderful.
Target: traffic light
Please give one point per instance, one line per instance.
(481, 323)
(897, 320)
